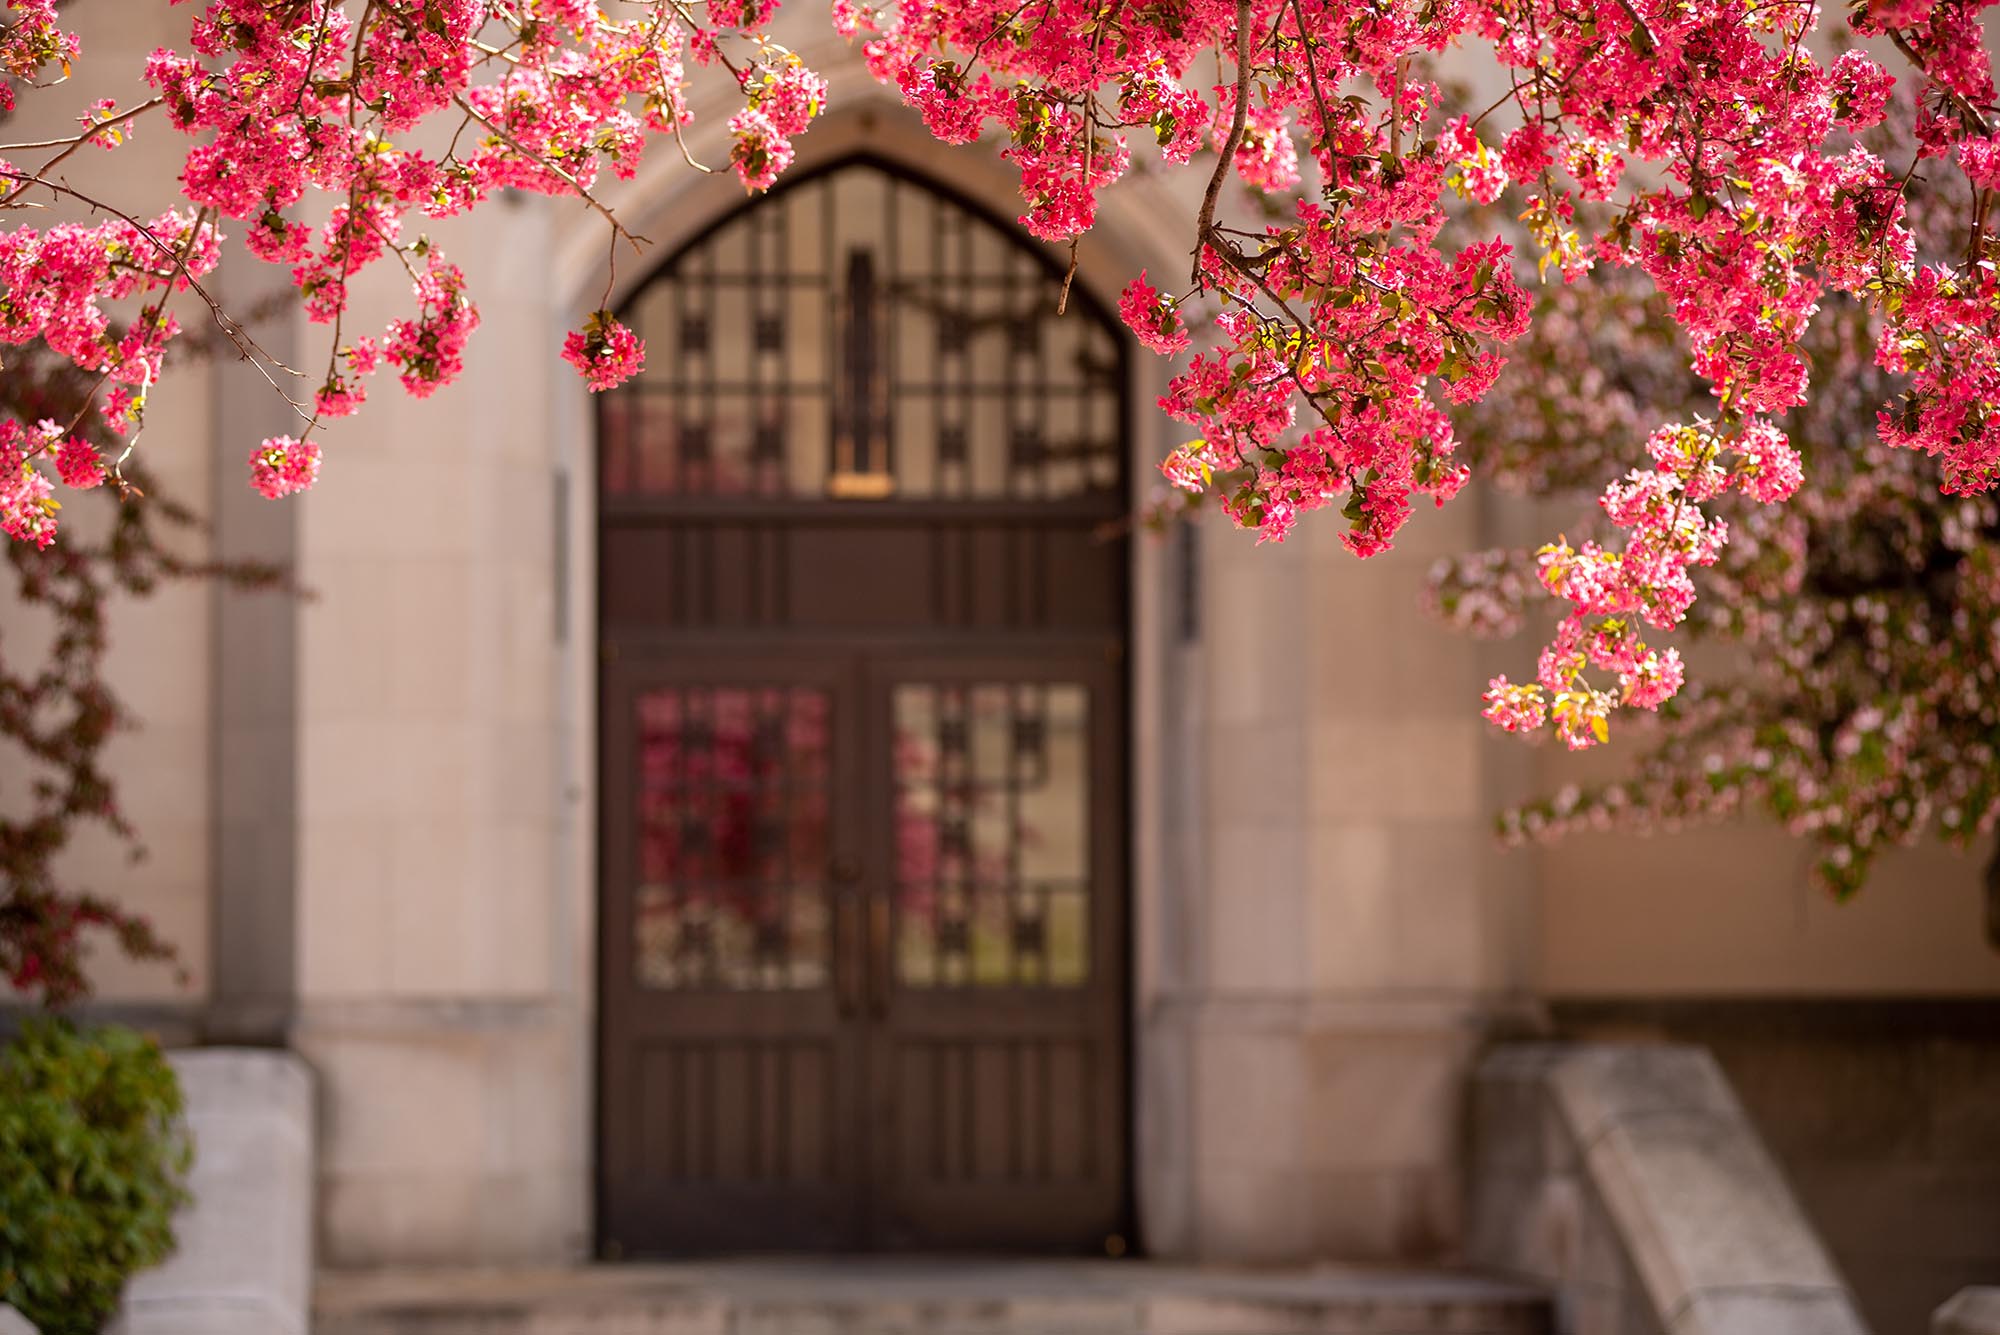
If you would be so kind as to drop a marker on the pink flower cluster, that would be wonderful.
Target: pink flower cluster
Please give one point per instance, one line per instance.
(30, 42)
(1348, 316)
(285, 99)
(1341, 330)
(27, 502)
(1648, 583)
(1379, 438)
(1153, 319)
(783, 100)
(283, 465)
(604, 352)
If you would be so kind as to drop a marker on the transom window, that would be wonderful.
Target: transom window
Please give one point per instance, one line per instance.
(859, 336)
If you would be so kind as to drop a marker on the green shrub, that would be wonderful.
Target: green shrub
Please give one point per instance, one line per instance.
(92, 1157)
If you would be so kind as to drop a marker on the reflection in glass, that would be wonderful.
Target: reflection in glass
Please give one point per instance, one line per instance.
(992, 852)
(733, 827)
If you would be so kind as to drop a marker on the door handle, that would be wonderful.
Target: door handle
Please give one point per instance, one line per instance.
(850, 960)
(880, 956)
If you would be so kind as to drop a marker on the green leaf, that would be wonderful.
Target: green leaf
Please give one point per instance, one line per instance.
(93, 1158)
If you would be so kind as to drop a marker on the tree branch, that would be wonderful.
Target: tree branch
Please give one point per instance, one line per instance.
(1206, 223)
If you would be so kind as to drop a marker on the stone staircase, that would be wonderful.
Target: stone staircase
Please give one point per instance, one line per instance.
(920, 1297)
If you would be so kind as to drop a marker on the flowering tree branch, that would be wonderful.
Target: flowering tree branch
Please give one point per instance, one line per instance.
(1699, 143)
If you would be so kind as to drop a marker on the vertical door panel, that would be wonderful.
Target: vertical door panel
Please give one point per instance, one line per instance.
(732, 1056)
(996, 1037)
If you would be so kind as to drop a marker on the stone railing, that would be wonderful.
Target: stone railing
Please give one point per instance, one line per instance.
(242, 1263)
(1969, 1312)
(1629, 1180)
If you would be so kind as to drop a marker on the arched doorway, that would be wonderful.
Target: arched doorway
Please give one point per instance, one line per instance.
(862, 736)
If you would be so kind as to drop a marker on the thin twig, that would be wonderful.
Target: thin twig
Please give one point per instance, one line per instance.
(636, 242)
(1965, 107)
(96, 127)
(73, 144)
(1089, 149)
(1205, 224)
(251, 351)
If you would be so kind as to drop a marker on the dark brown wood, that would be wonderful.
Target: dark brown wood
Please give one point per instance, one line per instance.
(999, 1110)
(863, 908)
(696, 1153)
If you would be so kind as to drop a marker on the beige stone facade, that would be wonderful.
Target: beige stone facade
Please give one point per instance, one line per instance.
(372, 814)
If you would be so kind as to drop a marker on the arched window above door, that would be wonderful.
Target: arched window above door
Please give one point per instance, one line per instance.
(862, 335)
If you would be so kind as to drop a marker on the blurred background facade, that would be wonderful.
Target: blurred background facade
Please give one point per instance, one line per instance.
(778, 806)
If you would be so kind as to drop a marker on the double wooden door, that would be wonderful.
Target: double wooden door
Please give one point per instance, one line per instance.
(863, 949)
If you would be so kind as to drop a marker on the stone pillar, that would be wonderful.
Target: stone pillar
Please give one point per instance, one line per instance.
(243, 1247)
(443, 971)
(254, 683)
(1354, 932)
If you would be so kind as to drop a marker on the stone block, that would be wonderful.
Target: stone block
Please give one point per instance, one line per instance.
(343, 908)
(1699, 1205)
(1512, 1123)
(1504, 1223)
(1973, 1311)
(1407, 657)
(1658, 1210)
(1249, 1092)
(13, 1323)
(1604, 1085)
(1758, 1313)
(1350, 911)
(372, 1219)
(1395, 1097)
(1255, 1215)
(1408, 1213)
(242, 1263)
(455, 1132)
(1390, 768)
(1256, 908)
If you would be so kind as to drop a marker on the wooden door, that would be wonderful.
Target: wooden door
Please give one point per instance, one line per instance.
(865, 952)
(732, 1049)
(995, 1043)
(862, 588)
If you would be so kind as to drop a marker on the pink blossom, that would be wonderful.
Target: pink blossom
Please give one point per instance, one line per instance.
(430, 350)
(605, 352)
(1267, 158)
(760, 151)
(282, 465)
(27, 507)
(1772, 470)
(340, 396)
(1861, 90)
(78, 463)
(1514, 708)
(1153, 318)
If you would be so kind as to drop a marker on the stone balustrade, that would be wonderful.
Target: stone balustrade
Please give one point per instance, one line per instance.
(243, 1260)
(1974, 1311)
(1628, 1178)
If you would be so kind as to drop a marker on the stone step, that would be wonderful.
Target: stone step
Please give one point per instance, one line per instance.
(918, 1297)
